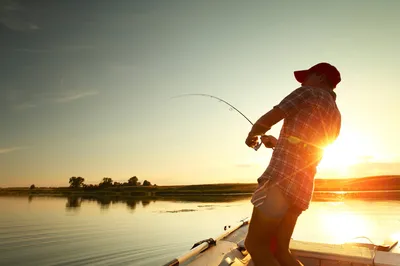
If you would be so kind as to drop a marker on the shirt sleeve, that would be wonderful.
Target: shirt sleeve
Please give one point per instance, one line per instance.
(295, 101)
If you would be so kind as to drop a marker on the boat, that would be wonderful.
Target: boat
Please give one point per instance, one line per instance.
(228, 249)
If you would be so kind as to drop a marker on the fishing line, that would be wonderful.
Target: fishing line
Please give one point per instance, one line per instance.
(219, 99)
(223, 101)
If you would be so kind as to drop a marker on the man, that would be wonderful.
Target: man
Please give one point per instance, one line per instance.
(311, 122)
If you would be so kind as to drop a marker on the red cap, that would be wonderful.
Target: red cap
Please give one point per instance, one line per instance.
(330, 72)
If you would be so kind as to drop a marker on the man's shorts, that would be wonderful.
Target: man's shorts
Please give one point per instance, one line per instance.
(270, 201)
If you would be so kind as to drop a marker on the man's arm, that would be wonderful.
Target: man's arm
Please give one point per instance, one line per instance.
(265, 122)
(290, 105)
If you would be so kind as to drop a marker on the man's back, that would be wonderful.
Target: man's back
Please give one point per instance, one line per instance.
(312, 121)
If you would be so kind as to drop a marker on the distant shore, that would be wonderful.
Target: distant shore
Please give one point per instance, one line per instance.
(200, 197)
(382, 187)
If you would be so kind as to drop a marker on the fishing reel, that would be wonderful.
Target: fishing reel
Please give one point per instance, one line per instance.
(257, 146)
(267, 144)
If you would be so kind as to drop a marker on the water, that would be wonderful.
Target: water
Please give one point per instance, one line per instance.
(58, 231)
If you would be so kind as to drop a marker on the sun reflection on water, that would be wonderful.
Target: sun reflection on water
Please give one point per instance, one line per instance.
(343, 227)
(395, 236)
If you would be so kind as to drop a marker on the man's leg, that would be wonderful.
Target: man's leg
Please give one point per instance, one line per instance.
(270, 207)
(284, 234)
(258, 239)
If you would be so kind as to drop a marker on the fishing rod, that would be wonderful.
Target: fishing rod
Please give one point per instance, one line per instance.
(221, 100)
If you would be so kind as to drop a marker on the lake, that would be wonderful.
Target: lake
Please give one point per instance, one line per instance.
(62, 231)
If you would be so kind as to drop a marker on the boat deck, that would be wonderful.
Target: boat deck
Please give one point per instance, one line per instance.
(230, 251)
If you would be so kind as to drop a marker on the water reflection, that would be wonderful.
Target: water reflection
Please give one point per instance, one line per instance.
(163, 227)
(349, 221)
(132, 204)
(104, 202)
(395, 236)
(345, 225)
(145, 203)
(73, 202)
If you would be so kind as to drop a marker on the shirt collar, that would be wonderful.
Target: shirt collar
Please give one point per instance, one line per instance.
(331, 92)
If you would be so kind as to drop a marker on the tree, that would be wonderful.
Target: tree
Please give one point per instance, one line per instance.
(32, 186)
(146, 183)
(133, 181)
(107, 182)
(76, 182)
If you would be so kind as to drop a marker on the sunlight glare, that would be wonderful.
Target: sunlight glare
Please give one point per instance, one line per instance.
(343, 227)
(395, 236)
(347, 150)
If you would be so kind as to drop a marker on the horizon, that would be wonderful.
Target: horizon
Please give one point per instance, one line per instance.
(87, 87)
(200, 184)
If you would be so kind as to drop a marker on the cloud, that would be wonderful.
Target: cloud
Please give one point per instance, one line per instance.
(75, 48)
(8, 150)
(32, 50)
(16, 17)
(24, 106)
(20, 100)
(12, 95)
(69, 96)
(56, 49)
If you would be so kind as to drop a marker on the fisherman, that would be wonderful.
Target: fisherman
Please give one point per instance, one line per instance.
(311, 122)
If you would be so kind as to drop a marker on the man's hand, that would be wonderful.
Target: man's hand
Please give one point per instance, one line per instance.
(252, 141)
(269, 141)
(262, 125)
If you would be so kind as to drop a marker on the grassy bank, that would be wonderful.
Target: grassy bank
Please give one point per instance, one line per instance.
(152, 191)
(387, 182)
(359, 185)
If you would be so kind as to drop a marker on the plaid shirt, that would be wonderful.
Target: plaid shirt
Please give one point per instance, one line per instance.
(312, 121)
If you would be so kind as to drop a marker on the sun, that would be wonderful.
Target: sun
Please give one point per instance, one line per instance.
(347, 150)
(337, 156)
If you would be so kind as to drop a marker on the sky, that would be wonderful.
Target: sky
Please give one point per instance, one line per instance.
(87, 87)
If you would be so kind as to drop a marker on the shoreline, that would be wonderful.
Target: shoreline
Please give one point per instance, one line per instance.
(195, 192)
(370, 183)
(366, 188)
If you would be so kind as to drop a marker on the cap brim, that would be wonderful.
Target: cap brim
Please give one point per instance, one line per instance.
(301, 75)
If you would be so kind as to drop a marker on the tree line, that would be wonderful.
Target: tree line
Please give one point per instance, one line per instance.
(78, 182)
